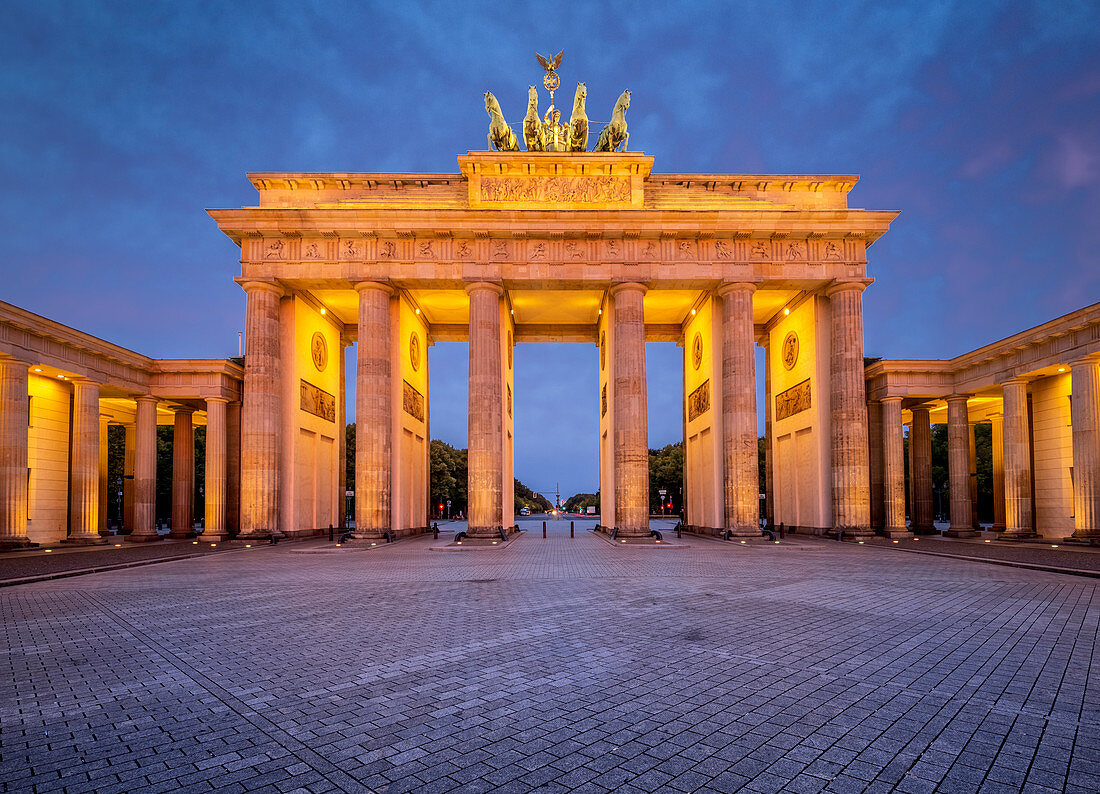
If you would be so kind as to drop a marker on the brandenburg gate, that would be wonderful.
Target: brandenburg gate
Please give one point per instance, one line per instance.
(552, 246)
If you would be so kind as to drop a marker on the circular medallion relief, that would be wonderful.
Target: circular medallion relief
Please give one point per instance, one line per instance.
(790, 350)
(697, 351)
(603, 350)
(414, 351)
(318, 347)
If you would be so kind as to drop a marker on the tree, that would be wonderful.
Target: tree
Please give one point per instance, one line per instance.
(580, 502)
(535, 502)
(666, 470)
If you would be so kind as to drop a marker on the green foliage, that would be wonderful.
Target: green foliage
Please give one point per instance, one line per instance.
(349, 455)
(666, 470)
(525, 497)
(448, 477)
(762, 462)
(579, 502)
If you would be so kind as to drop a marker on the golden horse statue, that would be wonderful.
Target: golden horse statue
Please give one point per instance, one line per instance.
(501, 136)
(534, 133)
(615, 134)
(578, 122)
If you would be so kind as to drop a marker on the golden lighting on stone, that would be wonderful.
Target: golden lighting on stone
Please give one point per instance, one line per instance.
(194, 543)
(1061, 369)
(249, 545)
(118, 545)
(48, 550)
(786, 311)
(38, 369)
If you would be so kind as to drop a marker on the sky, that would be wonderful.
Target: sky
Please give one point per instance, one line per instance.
(123, 122)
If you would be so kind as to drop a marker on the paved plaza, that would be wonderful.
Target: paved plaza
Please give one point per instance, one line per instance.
(553, 665)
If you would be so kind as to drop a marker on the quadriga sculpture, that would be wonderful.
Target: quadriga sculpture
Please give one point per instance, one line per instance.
(534, 133)
(501, 136)
(578, 122)
(615, 134)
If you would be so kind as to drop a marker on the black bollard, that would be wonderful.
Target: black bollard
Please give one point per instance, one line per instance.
(330, 533)
(570, 529)
(544, 529)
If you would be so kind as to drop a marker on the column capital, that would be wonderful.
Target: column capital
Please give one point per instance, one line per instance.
(1085, 361)
(891, 400)
(182, 409)
(735, 286)
(955, 398)
(844, 286)
(225, 400)
(146, 398)
(381, 286)
(252, 285)
(476, 286)
(1016, 380)
(628, 286)
(12, 361)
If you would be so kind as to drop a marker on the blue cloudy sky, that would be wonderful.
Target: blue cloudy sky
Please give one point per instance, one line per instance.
(121, 122)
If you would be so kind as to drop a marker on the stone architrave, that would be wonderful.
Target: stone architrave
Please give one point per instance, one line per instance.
(145, 471)
(261, 413)
(851, 469)
(486, 417)
(216, 475)
(1017, 461)
(958, 465)
(13, 454)
(631, 425)
(893, 465)
(374, 413)
(739, 442)
(183, 475)
(84, 504)
(1085, 419)
(920, 475)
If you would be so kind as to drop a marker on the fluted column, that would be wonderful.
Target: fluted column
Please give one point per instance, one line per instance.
(876, 464)
(84, 503)
(998, 474)
(261, 412)
(373, 412)
(1085, 421)
(128, 481)
(183, 475)
(893, 470)
(103, 458)
(769, 456)
(233, 468)
(958, 466)
(14, 504)
(972, 476)
(1017, 461)
(145, 471)
(920, 473)
(631, 424)
(215, 502)
(740, 450)
(850, 465)
(486, 421)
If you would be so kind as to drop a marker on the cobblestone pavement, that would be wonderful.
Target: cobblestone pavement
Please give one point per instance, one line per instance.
(553, 665)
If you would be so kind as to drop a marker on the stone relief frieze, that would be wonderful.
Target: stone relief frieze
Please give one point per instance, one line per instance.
(699, 401)
(556, 189)
(793, 401)
(412, 401)
(723, 249)
(317, 402)
(573, 250)
(425, 249)
(275, 250)
(795, 251)
(311, 251)
(685, 249)
(650, 250)
(537, 252)
(463, 249)
(759, 250)
(387, 249)
(351, 249)
(500, 249)
(832, 251)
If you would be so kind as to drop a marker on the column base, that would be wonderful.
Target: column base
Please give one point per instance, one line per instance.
(997, 528)
(1083, 540)
(925, 530)
(213, 537)
(173, 535)
(851, 533)
(85, 540)
(962, 532)
(483, 533)
(15, 544)
(1028, 535)
(743, 532)
(143, 537)
(259, 537)
(897, 534)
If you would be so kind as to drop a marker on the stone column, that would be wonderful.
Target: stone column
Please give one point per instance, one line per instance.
(84, 503)
(233, 468)
(851, 475)
(740, 450)
(145, 471)
(631, 425)
(183, 476)
(1085, 421)
(769, 456)
(373, 412)
(998, 475)
(876, 463)
(1017, 461)
(14, 419)
(261, 413)
(103, 458)
(958, 465)
(893, 470)
(486, 420)
(215, 470)
(128, 482)
(972, 477)
(920, 473)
